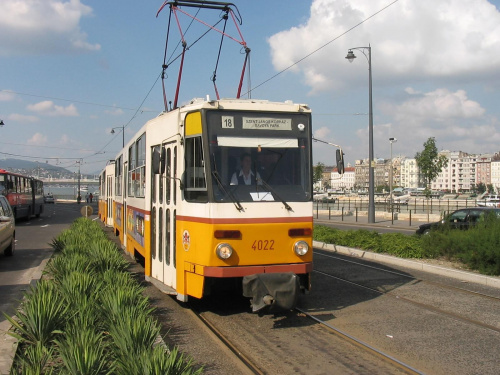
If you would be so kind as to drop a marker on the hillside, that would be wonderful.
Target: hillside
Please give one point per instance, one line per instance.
(32, 168)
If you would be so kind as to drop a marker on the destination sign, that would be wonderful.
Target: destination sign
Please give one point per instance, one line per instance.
(267, 123)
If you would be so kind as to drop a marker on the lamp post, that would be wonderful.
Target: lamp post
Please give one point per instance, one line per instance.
(123, 133)
(79, 177)
(392, 140)
(371, 175)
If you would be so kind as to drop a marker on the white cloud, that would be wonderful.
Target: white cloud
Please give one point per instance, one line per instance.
(448, 39)
(457, 123)
(48, 108)
(437, 105)
(6, 96)
(114, 112)
(64, 140)
(22, 118)
(37, 27)
(37, 139)
(322, 133)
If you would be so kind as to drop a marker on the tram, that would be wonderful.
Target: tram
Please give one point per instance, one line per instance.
(217, 194)
(24, 193)
(178, 198)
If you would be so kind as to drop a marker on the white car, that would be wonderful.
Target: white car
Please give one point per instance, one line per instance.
(7, 228)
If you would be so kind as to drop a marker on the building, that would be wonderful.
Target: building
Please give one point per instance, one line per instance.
(409, 174)
(458, 175)
(495, 175)
(343, 182)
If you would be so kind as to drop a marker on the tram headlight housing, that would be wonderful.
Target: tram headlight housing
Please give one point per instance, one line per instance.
(224, 251)
(301, 248)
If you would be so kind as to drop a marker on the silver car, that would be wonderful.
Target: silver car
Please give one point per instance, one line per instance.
(7, 228)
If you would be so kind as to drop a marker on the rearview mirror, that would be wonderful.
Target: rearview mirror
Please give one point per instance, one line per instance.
(340, 161)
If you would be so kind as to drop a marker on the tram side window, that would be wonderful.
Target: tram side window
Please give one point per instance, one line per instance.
(141, 166)
(3, 185)
(195, 180)
(118, 175)
(137, 168)
(131, 170)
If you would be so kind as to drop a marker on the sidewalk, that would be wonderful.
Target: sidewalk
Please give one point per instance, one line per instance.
(382, 218)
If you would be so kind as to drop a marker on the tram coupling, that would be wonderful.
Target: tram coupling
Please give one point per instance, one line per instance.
(277, 291)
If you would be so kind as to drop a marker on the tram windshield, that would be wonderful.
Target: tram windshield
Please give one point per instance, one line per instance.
(250, 164)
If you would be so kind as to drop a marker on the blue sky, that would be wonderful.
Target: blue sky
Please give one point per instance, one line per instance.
(71, 70)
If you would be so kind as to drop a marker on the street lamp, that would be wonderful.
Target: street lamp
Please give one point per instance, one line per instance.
(392, 140)
(371, 175)
(123, 133)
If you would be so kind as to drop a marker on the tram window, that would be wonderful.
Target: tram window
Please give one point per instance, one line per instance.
(169, 174)
(141, 166)
(160, 235)
(174, 240)
(167, 239)
(153, 234)
(118, 174)
(162, 182)
(131, 170)
(195, 181)
(175, 175)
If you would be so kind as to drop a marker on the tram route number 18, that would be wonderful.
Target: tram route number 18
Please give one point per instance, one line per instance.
(227, 122)
(263, 245)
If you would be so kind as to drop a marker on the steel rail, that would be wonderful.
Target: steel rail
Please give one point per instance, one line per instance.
(416, 279)
(242, 357)
(362, 344)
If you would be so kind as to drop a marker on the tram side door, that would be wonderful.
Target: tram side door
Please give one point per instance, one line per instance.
(163, 212)
(124, 208)
(109, 197)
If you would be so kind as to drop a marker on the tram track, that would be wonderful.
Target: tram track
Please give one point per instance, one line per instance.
(245, 361)
(421, 305)
(359, 343)
(415, 279)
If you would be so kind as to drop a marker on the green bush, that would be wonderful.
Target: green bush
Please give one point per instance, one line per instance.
(478, 248)
(89, 316)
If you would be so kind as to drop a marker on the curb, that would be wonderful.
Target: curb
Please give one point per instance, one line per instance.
(492, 282)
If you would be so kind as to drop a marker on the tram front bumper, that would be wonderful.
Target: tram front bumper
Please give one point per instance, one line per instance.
(279, 291)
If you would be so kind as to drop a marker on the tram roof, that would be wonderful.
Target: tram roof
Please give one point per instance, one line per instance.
(245, 104)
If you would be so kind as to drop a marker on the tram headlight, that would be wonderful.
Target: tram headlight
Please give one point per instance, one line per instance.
(301, 248)
(224, 251)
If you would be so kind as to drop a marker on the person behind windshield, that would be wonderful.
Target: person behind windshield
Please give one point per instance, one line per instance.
(245, 176)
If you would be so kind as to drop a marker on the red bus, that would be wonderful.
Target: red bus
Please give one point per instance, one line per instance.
(25, 194)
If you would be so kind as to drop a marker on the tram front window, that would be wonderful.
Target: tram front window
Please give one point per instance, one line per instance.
(250, 174)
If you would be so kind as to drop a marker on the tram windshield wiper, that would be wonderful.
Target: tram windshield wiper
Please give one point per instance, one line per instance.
(267, 186)
(236, 202)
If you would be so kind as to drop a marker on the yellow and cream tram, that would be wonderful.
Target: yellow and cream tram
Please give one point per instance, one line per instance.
(218, 193)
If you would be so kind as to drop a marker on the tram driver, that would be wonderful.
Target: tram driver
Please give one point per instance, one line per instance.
(245, 176)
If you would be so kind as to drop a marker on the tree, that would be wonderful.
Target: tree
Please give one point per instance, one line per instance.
(491, 189)
(318, 173)
(481, 188)
(430, 163)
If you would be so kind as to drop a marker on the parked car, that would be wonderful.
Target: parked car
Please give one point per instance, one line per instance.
(7, 227)
(49, 198)
(460, 219)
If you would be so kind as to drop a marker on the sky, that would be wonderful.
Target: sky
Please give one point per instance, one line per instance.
(72, 70)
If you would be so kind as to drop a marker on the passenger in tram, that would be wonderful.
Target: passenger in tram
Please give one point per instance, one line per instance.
(245, 176)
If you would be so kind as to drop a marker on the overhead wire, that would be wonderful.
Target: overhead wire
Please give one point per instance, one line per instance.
(248, 93)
